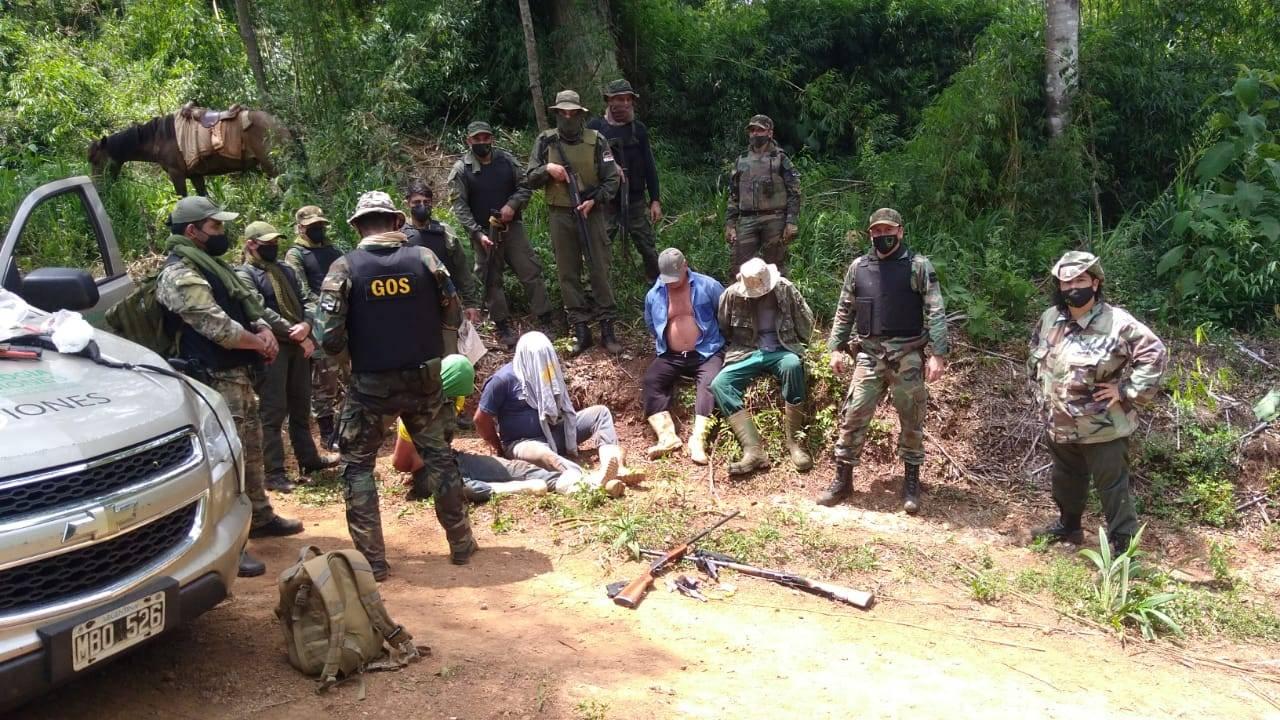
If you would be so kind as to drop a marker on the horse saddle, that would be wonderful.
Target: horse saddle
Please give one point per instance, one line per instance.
(207, 117)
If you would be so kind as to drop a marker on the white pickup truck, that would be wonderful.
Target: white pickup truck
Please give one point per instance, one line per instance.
(122, 512)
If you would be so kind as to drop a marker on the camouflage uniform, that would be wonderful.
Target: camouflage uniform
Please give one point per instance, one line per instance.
(373, 402)
(1088, 438)
(764, 198)
(328, 374)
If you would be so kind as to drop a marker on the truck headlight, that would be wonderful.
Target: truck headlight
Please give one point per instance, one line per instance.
(221, 442)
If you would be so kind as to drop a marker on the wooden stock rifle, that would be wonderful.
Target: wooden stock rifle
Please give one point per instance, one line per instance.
(635, 591)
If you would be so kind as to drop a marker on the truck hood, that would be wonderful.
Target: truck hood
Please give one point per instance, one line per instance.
(63, 409)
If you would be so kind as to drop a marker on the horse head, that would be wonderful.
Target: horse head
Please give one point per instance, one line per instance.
(100, 159)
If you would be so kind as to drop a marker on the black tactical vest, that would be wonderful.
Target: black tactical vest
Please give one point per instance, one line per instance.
(436, 239)
(490, 188)
(316, 262)
(194, 346)
(393, 317)
(885, 304)
(263, 282)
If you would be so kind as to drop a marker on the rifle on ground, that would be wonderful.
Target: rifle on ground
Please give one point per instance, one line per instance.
(493, 267)
(635, 591)
(576, 199)
(711, 563)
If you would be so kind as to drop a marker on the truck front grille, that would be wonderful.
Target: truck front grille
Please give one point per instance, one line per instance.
(62, 577)
(51, 489)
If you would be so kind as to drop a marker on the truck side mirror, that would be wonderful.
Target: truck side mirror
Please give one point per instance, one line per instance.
(54, 289)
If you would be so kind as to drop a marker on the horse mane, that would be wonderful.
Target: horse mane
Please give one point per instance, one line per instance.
(124, 143)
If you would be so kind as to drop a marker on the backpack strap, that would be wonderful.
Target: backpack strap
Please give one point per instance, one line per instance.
(317, 568)
(399, 640)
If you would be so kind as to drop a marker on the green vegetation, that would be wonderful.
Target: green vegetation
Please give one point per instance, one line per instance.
(1193, 484)
(1120, 595)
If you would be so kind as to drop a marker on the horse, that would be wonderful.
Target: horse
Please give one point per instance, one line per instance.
(156, 141)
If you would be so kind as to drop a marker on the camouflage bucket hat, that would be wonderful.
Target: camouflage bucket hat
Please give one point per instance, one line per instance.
(1075, 262)
(885, 216)
(568, 100)
(261, 231)
(375, 201)
(619, 87)
(761, 121)
(196, 208)
(477, 127)
(309, 215)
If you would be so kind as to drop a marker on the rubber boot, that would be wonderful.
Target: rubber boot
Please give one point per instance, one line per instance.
(1065, 529)
(698, 439)
(506, 335)
(532, 487)
(610, 466)
(627, 475)
(582, 340)
(795, 443)
(753, 457)
(665, 428)
(608, 339)
(911, 489)
(840, 488)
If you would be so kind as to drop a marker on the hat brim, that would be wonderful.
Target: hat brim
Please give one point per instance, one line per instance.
(568, 106)
(312, 221)
(668, 279)
(772, 282)
(372, 211)
(223, 216)
(890, 223)
(267, 238)
(632, 93)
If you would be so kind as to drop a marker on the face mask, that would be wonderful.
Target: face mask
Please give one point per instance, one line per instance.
(569, 127)
(482, 149)
(216, 245)
(1078, 297)
(758, 142)
(315, 234)
(421, 213)
(621, 114)
(884, 243)
(268, 253)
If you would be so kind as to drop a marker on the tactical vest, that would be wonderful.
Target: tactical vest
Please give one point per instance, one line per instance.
(436, 239)
(581, 156)
(761, 187)
(262, 280)
(885, 303)
(489, 189)
(393, 316)
(194, 346)
(316, 262)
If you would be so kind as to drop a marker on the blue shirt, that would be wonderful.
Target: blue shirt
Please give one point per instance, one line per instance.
(704, 296)
(501, 398)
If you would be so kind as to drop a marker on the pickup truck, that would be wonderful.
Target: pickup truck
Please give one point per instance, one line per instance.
(122, 507)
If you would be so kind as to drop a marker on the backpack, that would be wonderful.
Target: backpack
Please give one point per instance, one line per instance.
(334, 622)
(141, 318)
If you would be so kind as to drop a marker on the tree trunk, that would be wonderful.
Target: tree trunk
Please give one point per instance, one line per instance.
(535, 69)
(584, 47)
(244, 20)
(1062, 61)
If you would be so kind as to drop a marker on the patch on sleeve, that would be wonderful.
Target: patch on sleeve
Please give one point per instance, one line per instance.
(329, 302)
(608, 154)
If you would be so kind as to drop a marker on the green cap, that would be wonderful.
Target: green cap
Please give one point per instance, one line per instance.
(477, 127)
(760, 121)
(619, 87)
(568, 100)
(198, 207)
(261, 231)
(1073, 263)
(457, 376)
(309, 215)
(885, 216)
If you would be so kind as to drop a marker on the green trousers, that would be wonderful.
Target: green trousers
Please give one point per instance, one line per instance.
(570, 259)
(1106, 464)
(639, 232)
(284, 392)
(760, 236)
(514, 251)
(734, 378)
(903, 379)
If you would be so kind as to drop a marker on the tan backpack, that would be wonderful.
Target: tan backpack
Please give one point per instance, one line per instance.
(334, 622)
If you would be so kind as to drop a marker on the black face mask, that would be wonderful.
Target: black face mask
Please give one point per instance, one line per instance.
(315, 234)
(570, 128)
(884, 243)
(268, 253)
(216, 245)
(421, 213)
(1078, 297)
(758, 142)
(482, 149)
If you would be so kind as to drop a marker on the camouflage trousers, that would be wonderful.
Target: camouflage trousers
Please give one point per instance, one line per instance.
(903, 379)
(236, 388)
(759, 236)
(328, 375)
(372, 404)
(639, 231)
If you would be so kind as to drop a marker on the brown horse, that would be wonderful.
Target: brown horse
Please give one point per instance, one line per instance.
(156, 141)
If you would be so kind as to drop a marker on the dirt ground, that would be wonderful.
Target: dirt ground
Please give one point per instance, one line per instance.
(526, 631)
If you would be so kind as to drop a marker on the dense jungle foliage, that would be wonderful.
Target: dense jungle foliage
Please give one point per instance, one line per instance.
(1170, 169)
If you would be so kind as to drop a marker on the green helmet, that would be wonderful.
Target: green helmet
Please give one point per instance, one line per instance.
(457, 376)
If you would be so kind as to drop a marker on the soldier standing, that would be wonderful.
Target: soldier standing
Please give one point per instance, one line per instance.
(764, 200)
(486, 179)
(425, 231)
(222, 327)
(889, 295)
(629, 138)
(1093, 365)
(310, 257)
(572, 147)
(386, 303)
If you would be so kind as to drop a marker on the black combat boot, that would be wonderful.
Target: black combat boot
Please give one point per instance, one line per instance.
(582, 340)
(911, 488)
(250, 566)
(608, 339)
(463, 556)
(506, 335)
(1119, 544)
(1065, 529)
(840, 488)
(279, 483)
(550, 325)
(277, 527)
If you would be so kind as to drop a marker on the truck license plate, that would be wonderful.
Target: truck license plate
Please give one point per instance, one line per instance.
(117, 630)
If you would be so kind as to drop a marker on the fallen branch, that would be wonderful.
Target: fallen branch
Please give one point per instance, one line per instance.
(958, 465)
(1258, 358)
(1033, 677)
(1006, 358)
